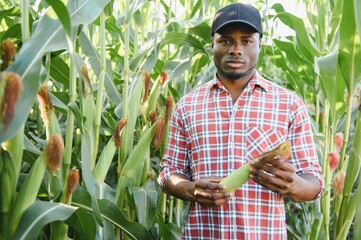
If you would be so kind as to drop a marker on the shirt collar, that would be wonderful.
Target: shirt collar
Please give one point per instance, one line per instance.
(256, 81)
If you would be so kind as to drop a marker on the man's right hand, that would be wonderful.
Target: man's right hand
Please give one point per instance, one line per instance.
(205, 191)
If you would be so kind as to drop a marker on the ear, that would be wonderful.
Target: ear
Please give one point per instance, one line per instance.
(260, 43)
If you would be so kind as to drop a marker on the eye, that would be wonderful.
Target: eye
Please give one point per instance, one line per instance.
(225, 41)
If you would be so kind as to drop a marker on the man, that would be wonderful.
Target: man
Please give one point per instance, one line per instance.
(228, 122)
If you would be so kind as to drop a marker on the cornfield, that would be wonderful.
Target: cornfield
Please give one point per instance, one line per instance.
(87, 89)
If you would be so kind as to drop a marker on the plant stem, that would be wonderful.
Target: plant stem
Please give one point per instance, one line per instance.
(70, 118)
(347, 129)
(171, 208)
(99, 101)
(326, 198)
(25, 31)
(123, 150)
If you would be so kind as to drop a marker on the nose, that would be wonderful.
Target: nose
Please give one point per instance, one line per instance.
(235, 49)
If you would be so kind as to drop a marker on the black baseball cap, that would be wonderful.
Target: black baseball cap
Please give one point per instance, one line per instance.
(237, 12)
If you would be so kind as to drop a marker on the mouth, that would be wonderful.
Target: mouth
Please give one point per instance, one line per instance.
(235, 63)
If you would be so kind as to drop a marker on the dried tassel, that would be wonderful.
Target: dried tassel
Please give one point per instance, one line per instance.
(8, 51)
(153, 116)
(151, 175)
(85, 80)
(53, 153)
(120, 126)
(72, 182)
(146, 86)
(12, 92)
(163, 78)
(159, 133)
(339, 182)
(338, 140)
(168, 108)
(334, 160)
(45, 104)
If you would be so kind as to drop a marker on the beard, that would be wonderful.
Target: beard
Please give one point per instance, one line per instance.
(233, 76)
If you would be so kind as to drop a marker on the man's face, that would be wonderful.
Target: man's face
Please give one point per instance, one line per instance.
(235, 51)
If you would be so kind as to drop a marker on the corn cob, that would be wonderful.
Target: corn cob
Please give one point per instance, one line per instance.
(241, 175)
(29, 190)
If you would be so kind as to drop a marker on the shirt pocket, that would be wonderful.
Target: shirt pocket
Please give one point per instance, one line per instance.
(261, 140)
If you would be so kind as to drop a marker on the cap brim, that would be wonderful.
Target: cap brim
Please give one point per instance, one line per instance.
(237, 21)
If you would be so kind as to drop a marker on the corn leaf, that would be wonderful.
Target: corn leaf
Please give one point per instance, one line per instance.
(145, 199)
(38, 215)
(135, 162)
(303, 39)
(350, 50)
(61, 12)
(88, 177)
(104, 161)
(94, 58)
(112, 213)
(83, 222)
(357, 7)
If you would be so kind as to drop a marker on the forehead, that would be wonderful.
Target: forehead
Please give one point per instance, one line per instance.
(236, 27)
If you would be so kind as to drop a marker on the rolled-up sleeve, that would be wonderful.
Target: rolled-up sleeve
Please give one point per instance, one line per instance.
(304, 154)
(175, 158)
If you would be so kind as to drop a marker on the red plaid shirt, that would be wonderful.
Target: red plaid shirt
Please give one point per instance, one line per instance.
(211, 136)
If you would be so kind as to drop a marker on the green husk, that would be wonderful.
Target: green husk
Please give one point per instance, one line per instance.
(241, 175)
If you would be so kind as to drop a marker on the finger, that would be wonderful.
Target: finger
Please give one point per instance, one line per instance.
(206, 184)
(212, 199)
(267, 184)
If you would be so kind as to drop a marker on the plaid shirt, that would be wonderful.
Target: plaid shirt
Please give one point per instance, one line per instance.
(211, 136)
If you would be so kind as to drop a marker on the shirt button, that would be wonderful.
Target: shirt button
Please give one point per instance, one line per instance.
(233, 199)
(234, 227)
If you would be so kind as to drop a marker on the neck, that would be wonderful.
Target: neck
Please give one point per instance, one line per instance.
(236, 87)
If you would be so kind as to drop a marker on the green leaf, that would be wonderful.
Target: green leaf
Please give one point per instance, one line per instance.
(94, 58)
(12, 32)
(83, 222)
(87, 175)
(357, 7)
(112, 213)
(78, 116)
(350, 50)
(59, 71)
(135, 162)
(298, 26)
(14, 11)
(184, 39)
(295, 61)
(183, 65)
(40, 214)
(145, 199)
(326, 68)
(202, 30)
(61, 12)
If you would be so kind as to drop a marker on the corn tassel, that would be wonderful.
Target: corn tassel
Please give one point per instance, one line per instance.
(241, 175)
(154, 93)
